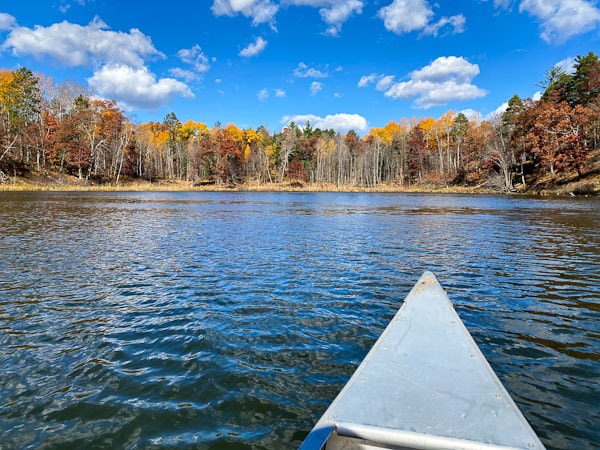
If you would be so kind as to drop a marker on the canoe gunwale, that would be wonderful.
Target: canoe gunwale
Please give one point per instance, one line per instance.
(409, 439)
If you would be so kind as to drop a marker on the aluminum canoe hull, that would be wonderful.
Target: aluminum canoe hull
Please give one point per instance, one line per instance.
(424, 385)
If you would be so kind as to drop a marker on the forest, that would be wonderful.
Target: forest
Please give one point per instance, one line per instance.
(61, 129)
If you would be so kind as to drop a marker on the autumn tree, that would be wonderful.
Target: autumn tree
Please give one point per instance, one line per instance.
(458, 133)
(557, 136)
(499, 153)
(255, 156)
(288, 140)
(20, 115)
(229, 149)
(417, 148)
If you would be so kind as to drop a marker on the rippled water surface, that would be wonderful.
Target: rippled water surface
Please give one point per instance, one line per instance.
(231, 320)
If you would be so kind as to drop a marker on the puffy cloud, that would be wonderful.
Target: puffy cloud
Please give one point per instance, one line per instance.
(405, 16)
(7, 22)
(445, 79)
(447, 67)
(333, 12)
(197, 61)
(136, 87)
(495, 114)
(315, 87)
(562, 19)
(77, 45)
(119, 59)
(194, 57)
(383, 81)
(186, 75)
(303, 71)
(261, 11)
(365, 80)
(263, 94)
(254, 49)
(431, 94)
(342, 122)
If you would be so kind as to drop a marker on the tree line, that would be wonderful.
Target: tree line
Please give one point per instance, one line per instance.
(61, 127)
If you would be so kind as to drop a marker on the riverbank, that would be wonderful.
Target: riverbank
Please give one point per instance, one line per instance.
(49, 182)
(548, 186)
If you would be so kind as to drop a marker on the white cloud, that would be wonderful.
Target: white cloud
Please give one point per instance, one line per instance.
(447, 67)
(315, 87)
(76, 45)
(254, 49)
(342, 122)
(333, 12)
(263, 94)
(497, 112)
(445, 79)
(365, 80)
(7, 22)
(136, 87)
(186, 75)
(456, 22)
(194, 57)
(560, 19)
(567, 65)
(303, 71)
(261, 11)
(118, 58)
(471, 114)
(434, 94)
(405, 16)
(384, 82)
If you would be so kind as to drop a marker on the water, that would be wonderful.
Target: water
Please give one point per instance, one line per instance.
(231, 320)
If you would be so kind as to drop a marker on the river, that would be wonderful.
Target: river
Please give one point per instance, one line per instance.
(231, 320)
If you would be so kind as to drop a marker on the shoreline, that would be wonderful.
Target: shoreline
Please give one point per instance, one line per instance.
(21, 185)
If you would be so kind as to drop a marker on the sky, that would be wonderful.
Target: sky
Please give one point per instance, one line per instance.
(341, 64)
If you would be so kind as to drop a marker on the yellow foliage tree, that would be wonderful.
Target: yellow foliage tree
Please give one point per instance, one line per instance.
(392, 130)
(190, 129)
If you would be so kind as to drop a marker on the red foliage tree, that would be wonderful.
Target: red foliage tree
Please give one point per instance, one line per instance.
(557, 136)
(296, 170)
(417, 152)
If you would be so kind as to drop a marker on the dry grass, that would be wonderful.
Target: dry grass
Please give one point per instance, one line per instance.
(23, 185)
(568, 185)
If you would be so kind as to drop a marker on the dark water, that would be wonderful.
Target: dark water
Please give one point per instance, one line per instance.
(231, 320)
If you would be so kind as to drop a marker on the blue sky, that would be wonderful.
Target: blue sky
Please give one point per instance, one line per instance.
(342, 64)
